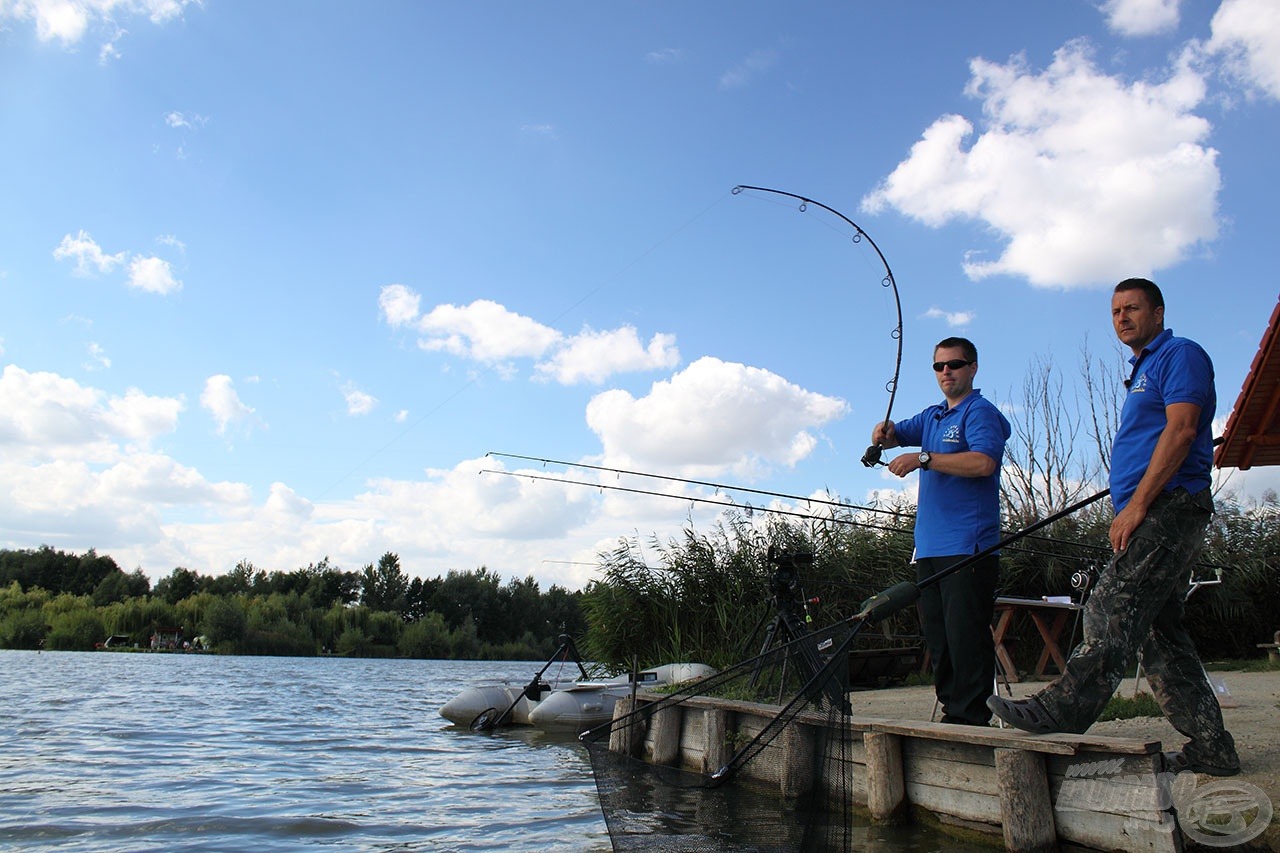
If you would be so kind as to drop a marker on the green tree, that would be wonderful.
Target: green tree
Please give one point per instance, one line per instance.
(385, 586)
(427, 638)
(225, 621)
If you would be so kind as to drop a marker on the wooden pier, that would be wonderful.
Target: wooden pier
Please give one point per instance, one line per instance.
(1033, 792)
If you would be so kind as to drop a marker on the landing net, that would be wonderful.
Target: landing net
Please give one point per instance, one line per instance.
(768, 763)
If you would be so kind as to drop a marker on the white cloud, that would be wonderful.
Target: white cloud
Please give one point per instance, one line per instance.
(713, 416)
(153, 275)
(955, 319)
(68, 20)
(1086, 177)
(592, 356)
(98, 359)
(180, 120)
(545, 130)
(1141, 17)
(399, 305)
(484, 331)
(1247, 34)
(358, 402)
(86, 253)
(220, 400)
(45, 416)
(665, 56)
(489, 333)
(755, 64)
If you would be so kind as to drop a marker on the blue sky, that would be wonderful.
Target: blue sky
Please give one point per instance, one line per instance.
(275, 277)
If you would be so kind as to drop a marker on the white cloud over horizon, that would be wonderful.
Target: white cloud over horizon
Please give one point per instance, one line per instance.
(712, 417)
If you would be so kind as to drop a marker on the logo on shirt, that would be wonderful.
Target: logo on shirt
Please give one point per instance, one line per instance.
(951, 435)
(1139, 385)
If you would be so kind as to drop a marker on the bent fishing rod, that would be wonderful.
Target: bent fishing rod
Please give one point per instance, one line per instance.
(872, 456)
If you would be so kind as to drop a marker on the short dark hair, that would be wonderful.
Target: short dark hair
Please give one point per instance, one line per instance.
(1154, 296)
(970, 351)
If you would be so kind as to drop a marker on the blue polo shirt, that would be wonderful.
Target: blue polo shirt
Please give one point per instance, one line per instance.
(957, 515)
(1168, 370)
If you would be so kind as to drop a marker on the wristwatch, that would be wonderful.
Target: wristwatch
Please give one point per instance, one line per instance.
(924, 460)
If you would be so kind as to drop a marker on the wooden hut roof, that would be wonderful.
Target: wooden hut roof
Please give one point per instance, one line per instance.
(1252, 435)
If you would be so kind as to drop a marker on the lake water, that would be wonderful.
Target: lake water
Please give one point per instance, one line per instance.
(168, 752)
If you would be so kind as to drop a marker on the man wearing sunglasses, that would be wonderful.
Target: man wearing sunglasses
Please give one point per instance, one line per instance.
(1161, 458)
(961, 443)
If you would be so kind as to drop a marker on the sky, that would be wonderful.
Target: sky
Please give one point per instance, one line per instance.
(277, 279)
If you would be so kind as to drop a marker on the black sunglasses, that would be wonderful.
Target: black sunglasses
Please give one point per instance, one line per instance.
(954, 364)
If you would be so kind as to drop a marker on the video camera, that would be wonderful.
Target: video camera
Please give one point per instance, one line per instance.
(787, 565)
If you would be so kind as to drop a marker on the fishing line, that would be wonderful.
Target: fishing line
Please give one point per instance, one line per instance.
(726, 487)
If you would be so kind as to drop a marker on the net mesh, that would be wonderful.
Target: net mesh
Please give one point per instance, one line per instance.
(759, 757)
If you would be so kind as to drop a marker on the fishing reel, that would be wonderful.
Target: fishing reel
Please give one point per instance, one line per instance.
(1082, 580)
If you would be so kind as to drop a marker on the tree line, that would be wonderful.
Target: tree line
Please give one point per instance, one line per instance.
(57, 600)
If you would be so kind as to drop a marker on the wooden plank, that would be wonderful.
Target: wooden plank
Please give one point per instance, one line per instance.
(990, 737)
(969, 805)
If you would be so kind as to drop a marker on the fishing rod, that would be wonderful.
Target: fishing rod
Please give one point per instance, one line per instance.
(903, 594)
(872, 456)
(717, 486)
(730, 504)
(726, 487)
(649, 493)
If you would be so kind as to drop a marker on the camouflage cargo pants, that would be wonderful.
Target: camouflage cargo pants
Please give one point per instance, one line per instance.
(1138, 603)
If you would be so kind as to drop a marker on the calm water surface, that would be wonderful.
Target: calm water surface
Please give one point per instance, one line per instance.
(153, 752)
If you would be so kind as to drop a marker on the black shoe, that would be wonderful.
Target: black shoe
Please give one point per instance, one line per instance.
(1026, 714)
(1178, 762)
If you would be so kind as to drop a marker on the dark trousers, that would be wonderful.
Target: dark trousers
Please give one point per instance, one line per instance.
(956, 612)
(1137, 603)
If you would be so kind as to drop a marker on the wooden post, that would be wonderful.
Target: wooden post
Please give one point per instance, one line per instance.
(666, 735)
(1026, 812)
(797, 745)
(886, 783)
(717, 750)
(627, 738)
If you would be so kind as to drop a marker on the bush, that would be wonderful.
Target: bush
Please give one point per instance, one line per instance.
(428, 638)
(22, 629)
(75, 631)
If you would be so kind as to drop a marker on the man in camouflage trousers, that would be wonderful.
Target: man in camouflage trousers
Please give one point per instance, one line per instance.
(1160, 487)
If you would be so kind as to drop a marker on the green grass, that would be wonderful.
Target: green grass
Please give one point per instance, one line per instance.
(1124, 708)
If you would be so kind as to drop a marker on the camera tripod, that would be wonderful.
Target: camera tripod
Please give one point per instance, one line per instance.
(788, 630)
